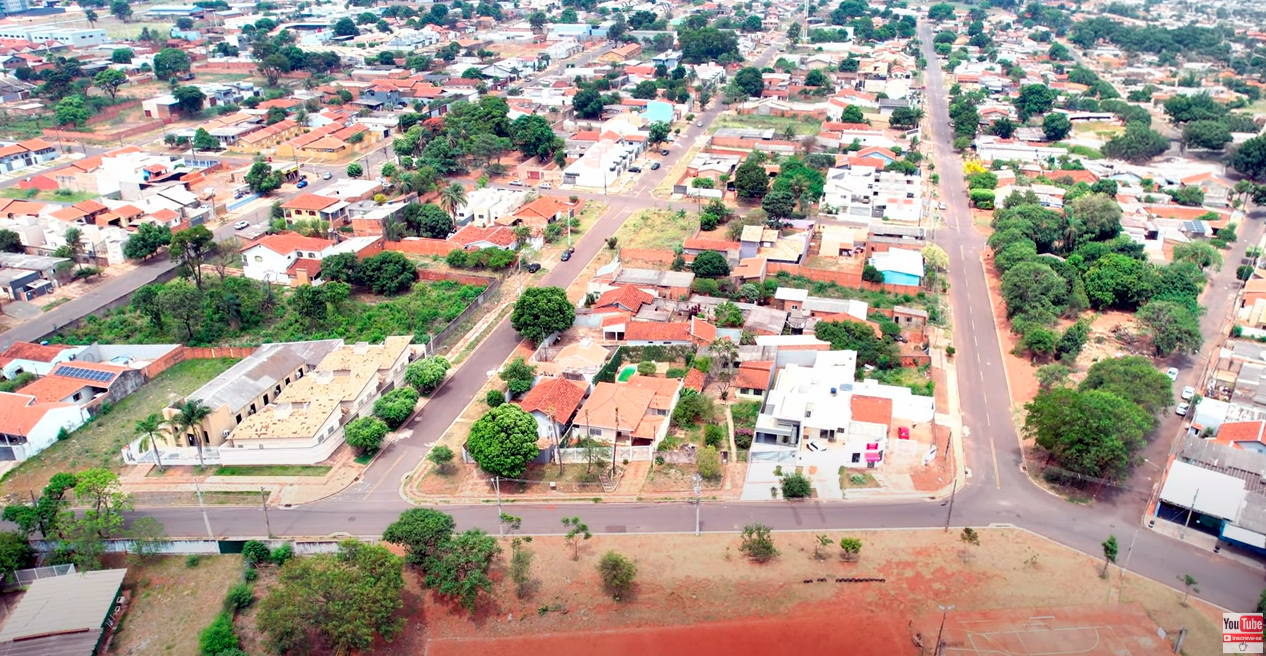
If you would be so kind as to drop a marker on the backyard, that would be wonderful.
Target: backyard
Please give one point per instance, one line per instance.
(99, 442)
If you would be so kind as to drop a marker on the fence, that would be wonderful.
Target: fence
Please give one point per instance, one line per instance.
(182, 456)
(194, 353)
(23, 578)
(622, 453)
(203, 546)
(773, 456)
(455, 325)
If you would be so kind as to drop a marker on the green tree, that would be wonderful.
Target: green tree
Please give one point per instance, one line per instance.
(150, 429)
(1138, 144)
(577, 532)
(1034, 99)
(345, 26)
(710, 264)
(796, 486)
(15, 553)
(461, 570)
(758, 543)
(658, 133)
(1056, 126)
(262, 179)
(188, 418)
(191, 248)
(355, 170)
(1189, 584)
(71, 111)
(1250, 158)
(750, 80)
(442, 456)
(202, 140)
(850, 549)
(617, 574)
(424, 533)
(1208, 134)
(170, 62)
(431, 221)
(588, 103)
(11, 242)
(218, 636)
(1119, 281)
(860, 337)
(1110, 551)
(1172, 326)
(1132, 378)
(340, 267)
(395, 407)
(518, 376)
(121, 10)
(779, 204)
(1199, 253)
(387, 273)
(1093, 433)
(969, 537)
(109, 80)
(365, 434)
(453, 198)
(750, 179)
(183, 304)
(542, 311)
(426, 374)
(503, 441)
(342, 601)
(146, 241)
(122, 56)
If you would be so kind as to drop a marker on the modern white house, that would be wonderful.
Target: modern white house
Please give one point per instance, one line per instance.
(601, 165)
(867, 192)
(484, 206)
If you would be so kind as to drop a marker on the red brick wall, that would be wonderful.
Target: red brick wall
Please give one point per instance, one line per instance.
(749, 144)
(463, 278)
(421, 246)
(194, 353)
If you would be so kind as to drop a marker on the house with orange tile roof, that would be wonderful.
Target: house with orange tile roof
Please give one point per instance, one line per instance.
(694, 380)
(30, 425)
(553, 402)
(627, 298)
(85, 384)
(20, 155)
(38, 359)
(314, 207)
(475, 238)
(632, 413)
(658, 333)
(292, 259)
(753, 379)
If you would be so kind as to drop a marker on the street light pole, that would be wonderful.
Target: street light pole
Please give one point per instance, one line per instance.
(205, 519)
(263, 502)
(950, 512)
(496, 482)
(944, 612)
(698, 481)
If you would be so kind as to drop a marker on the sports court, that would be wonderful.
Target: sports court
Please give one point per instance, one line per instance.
(1123, 630)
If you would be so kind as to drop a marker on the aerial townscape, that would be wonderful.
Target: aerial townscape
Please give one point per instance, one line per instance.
(575, 326)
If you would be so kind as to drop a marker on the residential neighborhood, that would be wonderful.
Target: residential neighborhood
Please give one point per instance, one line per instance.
(347, 301)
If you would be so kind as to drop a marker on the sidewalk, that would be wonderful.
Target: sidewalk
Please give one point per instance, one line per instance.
(282, 490)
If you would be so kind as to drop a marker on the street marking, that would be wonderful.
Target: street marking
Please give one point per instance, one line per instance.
(994, 449)
(392, 467)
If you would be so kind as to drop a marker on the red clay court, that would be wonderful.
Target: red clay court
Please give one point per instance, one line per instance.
(1124, 630)
(842, 632)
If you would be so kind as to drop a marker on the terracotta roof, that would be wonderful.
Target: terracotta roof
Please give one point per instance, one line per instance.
(754, 375)
(313, 267)
(310, 202)
(702, 330)
(634, 399)
(289, 242)
(22, 413)
(35, 144)
(871, 409)
(32, 352)
(543, 207)
(90, 206)
(52, 389)
(1241, 431)
(694, 380)
(9, 207)
(556, 398)
(500, 236)
(11, 149)
(1087, 177)
(68, 214)
(165, 215)
(628, 297)
(657, 331)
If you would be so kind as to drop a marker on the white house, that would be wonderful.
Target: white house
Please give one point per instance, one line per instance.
(601, 165)
(30, 426)
(38, 359)
(865, 191)
(484, 206)
(270, 257)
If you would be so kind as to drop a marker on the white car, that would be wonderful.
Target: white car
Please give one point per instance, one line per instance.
(941, 207)
(326, 176)
(546, 185)
(241, 225)
(1182, 409)
(1172, 373)
(1188, 392)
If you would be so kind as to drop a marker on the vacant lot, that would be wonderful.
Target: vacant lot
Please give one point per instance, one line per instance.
(172, 602)
(660, 229)
(59, 196)
(801, 126)
(98, 443)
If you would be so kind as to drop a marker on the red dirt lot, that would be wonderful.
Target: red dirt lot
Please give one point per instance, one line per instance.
(1123, 630)
(858, 635)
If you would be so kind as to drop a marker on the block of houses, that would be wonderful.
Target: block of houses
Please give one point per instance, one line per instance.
(578, 362)
(553, 402)
(85, 384)
(632, 413)
(667, 284)
(23, 154)
(26, 277)
(484, 206)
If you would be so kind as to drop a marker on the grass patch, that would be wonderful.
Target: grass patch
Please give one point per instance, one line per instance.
(365, 458)
(272, 470)
(25, 127)
(657, 229)
(99, 442)
(1084, 151)
(853, 479)
(54, 303)
(777, 123)
(745, 413)
(171, 601)
(917, 381)
(57, 196)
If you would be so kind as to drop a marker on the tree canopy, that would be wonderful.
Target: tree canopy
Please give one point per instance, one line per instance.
(1092, 433)
(1132, 378)
(503, 441)
(542, 311)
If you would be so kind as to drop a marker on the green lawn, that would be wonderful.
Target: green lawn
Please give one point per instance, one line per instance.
(58, 196)
(802, 126)
(745, 413)
(99, 443)
(272, 470)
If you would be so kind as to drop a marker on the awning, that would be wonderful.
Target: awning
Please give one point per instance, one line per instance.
(874, 457)
(1233, 532)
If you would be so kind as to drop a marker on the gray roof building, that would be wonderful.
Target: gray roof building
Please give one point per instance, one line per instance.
(62, 616)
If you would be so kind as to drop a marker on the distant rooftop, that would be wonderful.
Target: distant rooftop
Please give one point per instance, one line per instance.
(259, 372)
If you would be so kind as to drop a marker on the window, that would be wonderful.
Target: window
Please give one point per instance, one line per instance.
(265, 399)
(252, 408)
(76, 396)
(278, 389)
(287, 381)
(239, 419)
(595, 432)
(857, 457)
(259, 258)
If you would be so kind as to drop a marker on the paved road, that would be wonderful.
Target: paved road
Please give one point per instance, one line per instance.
(998, 491)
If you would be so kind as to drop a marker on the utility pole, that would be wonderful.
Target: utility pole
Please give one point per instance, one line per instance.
(496, 482)
(950, 512)
(1190, 512)
(944, 611)
(698, 481)
(615, 443)
(201, 506)
(263, 501)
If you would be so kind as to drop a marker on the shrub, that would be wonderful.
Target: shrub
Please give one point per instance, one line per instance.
(757, 543)
(395, 407)
(255, 552)
(796, 486)
(743, 438)
(240, 597)
(617, 573)
(676, 372)
(646, 368)
(495, 398)
(283, 554)
(714, 435)
(250, 575)
(365, 433)
(708, 463)
(192, 560)
(442, 456)
(218, 636)
(850, 549)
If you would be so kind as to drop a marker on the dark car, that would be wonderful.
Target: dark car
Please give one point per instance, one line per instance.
(533, 267)
(664, 152)
(654, 166)
(565, 256)
(635, 169)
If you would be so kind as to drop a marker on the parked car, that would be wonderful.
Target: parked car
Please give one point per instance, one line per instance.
(302, 184)
(241, 225)
(1188, 392)
(516, 183)
(1182, 409)
(942, 207)
(1172, 373)
(635, 169)
(699, 124)
(546, 185)
(903, 433)
(533, 267)
(654, 166)
(565, 256)
(664, 152)
(326, 176)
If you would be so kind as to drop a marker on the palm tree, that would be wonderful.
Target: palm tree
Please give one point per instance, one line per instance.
(75, 244)
(150, 428)
(189, 416)
(452, 199)
(91, 17)
(726, 351)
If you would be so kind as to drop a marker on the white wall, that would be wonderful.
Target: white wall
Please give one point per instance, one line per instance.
(44, 434)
